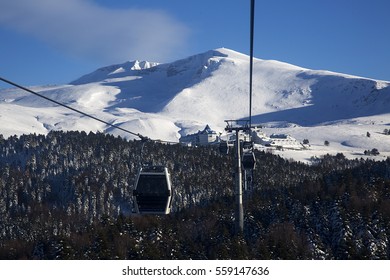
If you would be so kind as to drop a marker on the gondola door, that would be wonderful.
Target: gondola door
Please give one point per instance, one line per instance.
(153, 191)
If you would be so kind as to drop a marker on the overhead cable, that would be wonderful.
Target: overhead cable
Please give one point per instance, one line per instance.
(144, 138)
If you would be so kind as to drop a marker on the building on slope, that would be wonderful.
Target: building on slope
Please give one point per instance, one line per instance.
(207, 136)
(284, 141)
(203, 137)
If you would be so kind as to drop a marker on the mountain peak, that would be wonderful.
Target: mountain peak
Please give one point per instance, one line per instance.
(163, 101)
(115, 71)
(140, 65)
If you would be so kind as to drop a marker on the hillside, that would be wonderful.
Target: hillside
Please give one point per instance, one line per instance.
(69, 196)
(165, 101)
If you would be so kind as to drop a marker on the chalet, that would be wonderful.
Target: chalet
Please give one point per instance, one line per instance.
(206, 136)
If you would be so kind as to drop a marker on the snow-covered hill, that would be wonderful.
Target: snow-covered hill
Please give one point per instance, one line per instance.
(165, 101)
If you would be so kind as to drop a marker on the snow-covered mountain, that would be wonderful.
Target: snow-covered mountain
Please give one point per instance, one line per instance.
(165, 101)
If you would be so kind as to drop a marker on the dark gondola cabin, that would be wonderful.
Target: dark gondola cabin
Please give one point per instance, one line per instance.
(153, 192)
(223, 147)
(248, 160)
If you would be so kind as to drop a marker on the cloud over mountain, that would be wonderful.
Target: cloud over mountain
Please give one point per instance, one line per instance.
(82, 27)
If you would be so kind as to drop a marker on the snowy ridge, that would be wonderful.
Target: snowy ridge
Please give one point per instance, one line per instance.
(165, 101)
(114, 71)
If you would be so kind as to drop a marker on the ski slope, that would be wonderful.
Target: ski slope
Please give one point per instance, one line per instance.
(166, 101)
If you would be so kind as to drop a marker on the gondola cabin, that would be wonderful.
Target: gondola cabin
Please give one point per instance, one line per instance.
(153, 191)
(248, 160)
(223, 147)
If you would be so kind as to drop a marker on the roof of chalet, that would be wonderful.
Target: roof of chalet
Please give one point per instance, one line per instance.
(207, 130)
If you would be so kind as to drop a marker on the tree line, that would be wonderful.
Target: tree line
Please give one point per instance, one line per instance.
(68, 195)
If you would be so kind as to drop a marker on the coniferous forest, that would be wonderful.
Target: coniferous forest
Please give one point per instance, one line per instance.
(69, 196)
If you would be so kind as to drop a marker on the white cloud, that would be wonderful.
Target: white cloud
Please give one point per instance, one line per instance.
(84, 28)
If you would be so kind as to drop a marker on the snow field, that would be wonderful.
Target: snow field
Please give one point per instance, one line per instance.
(166, 101)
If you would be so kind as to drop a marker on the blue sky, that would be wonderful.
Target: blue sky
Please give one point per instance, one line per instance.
(56, 41)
